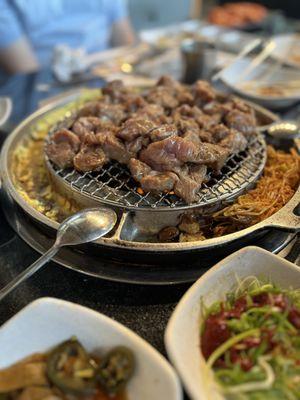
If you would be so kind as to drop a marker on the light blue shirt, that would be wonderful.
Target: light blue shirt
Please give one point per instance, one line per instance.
(46, 23)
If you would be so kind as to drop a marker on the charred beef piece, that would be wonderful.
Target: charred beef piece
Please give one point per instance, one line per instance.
(163, 96)
(235, 141)
(190, 181)
(135, 127)
(85, 125)
(152, 112)
(113, 148)
(212, 155)
(185, 111)
(187, 125)
(219, 132)
(62, 148)
(162, 132)
(138, 169)
(241, 121)
(150, 180)
(203, 93)
(133, 102)
(106, 112)
(136, 145)
(115, 90)
(89, 109)
(169, 82)
(173, 152)
(185, 97)
(194, 114)
(90, 158)
(168, 153)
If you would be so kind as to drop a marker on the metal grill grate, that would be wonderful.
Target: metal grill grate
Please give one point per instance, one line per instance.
(113, 184)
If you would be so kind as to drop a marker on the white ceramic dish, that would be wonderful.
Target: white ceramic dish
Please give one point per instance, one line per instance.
(46, 322)
(5, 109)
(182, 336)
(269, 74)
(287, 46)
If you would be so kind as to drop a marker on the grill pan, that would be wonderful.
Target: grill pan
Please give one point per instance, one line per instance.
(134, 224)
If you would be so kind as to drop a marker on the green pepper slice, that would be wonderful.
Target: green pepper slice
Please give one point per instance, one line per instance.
(70, 369)
(115, 370)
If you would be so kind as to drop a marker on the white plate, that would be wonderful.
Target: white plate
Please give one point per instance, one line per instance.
(267, 72)
(182, 336)
(47, 322)
(287, 45)
(5, 109)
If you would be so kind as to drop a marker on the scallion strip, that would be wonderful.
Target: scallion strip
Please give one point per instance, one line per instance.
(229, 343)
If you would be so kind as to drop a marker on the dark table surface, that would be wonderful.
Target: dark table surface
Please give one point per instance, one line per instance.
(144, 309)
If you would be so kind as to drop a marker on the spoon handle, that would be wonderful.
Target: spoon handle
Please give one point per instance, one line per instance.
(29, 271)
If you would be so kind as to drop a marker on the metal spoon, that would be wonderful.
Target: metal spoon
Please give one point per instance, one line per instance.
(284, 130)
(82, 227)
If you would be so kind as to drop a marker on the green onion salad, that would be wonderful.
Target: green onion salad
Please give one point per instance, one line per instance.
(252, 342)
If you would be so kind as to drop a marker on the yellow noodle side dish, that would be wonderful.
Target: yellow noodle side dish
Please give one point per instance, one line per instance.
(274, 189)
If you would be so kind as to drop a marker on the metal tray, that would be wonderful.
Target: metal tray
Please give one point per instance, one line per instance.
(128, 235)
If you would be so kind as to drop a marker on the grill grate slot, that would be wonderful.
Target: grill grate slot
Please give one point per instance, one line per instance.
(114, 185)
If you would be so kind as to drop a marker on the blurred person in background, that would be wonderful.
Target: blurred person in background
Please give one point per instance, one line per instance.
(30, 29)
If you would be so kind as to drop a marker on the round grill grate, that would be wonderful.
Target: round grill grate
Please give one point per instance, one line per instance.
(113, 184)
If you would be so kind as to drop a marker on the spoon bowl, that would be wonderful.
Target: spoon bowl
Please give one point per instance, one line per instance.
(288, 129)
(86, 226)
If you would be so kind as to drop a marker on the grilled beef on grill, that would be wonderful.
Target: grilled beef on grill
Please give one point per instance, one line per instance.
(63, 147)
(90, 158)
(190, 181)
(150, 180)
(135, 127)
(168, 136)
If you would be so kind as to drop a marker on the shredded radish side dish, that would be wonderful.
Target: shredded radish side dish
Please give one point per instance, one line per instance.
(252, 342)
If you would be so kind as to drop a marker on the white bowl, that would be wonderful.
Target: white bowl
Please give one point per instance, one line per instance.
(285, 45)
(47, 322)
(182, 338)
(267, 72)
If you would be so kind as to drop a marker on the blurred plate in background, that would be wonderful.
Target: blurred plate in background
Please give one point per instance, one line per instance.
(287, 49)
(270, 85)
(5, 109)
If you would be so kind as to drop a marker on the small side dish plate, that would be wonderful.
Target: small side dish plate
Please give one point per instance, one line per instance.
(46, 322)
(287, 49)
(270, 85)
(182, 337)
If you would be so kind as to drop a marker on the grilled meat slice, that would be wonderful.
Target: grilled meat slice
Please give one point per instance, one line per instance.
(114, 113)
(135, 127)
(235, 141)
(173, 152)
(150, 180)
(203, 93)
(219, 132)
(190, 181)
(168, 153)
(241, 121)
(115, 90)
(62, 148)
(113, 147)
(152, 112)
(163, 96)
(90, 158)
(162, 132)
(85, 125)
